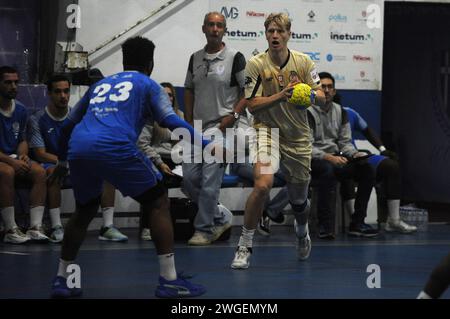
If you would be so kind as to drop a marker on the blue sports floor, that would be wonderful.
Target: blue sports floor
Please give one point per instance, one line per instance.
(335, 269)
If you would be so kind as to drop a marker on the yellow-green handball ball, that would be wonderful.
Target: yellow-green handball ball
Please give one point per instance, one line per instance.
(301, 96)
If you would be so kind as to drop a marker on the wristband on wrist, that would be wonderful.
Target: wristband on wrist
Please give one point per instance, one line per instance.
(313, 97)
(382, 148)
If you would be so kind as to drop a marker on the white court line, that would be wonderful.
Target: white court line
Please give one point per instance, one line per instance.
(13, 253)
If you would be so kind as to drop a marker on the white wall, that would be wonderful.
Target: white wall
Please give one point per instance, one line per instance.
(176, 31)
(181, 32)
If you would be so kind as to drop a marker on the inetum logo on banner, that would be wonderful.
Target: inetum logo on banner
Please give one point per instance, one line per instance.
(304, 37)
(346, 37)
(243, 34)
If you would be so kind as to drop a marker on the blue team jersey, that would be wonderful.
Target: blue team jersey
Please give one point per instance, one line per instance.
(112, 113)
(357, 123)
(45, 131)
(13, 129)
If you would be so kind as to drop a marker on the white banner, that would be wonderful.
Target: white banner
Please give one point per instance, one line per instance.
(343, 37)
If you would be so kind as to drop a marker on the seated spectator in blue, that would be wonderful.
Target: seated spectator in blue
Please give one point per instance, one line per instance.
(45, 133)
(15, 165)
(335, 158)
(387, 172)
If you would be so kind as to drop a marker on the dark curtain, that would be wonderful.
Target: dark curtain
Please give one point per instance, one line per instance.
(415, 112)
(49, 13)
(18, 37)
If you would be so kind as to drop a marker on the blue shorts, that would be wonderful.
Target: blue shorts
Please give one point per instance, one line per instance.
(132, 176)
(46, 166)
(375, 160)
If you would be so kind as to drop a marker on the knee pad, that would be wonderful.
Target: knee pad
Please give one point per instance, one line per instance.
(300, 208)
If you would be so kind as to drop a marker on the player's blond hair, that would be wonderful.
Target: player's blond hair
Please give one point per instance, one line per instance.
(281, 19)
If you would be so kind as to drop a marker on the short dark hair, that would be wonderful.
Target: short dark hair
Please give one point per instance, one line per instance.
(56, 78)
(326, 75)
(138, 53)
(6, 69)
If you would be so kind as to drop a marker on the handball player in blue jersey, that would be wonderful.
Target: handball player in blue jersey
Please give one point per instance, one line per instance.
(99, 142)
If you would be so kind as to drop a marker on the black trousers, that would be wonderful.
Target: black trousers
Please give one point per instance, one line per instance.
(326, 175)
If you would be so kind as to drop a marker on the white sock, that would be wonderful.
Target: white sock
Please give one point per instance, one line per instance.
(167, 266)
(36, 214)
(55, 217)
(8, 218)
(394, 209)
(108, 216)
(62, 268)
(349, 207)
(423, 295)
(246, 239)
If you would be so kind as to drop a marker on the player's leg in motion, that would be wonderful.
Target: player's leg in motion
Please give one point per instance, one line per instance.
(253, 212)
(74, 234)
(438, 281)
(155, 204)
(87, 187)
(298, 196)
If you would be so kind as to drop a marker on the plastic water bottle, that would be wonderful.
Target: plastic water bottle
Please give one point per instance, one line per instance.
(424, 220)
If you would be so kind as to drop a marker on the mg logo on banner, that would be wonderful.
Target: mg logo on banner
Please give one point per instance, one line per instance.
(230, 13)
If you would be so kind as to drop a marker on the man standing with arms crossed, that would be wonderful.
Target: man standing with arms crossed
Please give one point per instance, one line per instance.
(270, 80)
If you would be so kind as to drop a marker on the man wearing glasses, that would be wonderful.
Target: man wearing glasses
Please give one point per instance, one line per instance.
(335, 158)
(214, 85)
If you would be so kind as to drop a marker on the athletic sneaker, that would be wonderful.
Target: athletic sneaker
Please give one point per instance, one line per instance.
(57, 234)
(15, 236)
(111, 233)
(145, 234)
(178, 288)
(60, 289)
(302, 244)
(362, 230)
(37, 234)
(227, 219)
(200, 239)
(242, 258)
(218, 230)
(264, 226)
(325, 234)
(399, 226)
